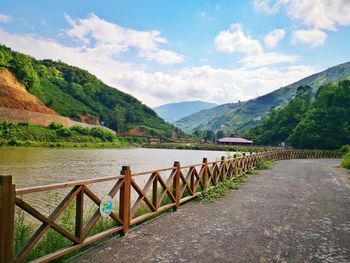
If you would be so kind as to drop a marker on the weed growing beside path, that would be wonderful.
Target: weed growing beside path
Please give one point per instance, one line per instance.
(264, 165)
(221, 189)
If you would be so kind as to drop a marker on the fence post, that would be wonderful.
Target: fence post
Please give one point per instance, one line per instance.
(176, 185)
(205, 175)
(79, 214)
(7, 216)
(244, 163)
(125, 192)
(223, 169)
(235, 172)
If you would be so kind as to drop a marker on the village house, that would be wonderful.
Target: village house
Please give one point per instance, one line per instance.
(234, 141)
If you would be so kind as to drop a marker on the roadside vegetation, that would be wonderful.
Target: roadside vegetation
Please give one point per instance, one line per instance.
(222, 189)
(264, 165)
(346, 159)
(55, 135)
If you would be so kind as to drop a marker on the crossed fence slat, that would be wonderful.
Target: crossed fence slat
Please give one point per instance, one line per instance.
(182, 184)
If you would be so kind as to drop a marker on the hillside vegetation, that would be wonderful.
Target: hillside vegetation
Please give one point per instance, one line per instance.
(174, 111)
(75, 93)
(55, 135)
(322, 123)
(239, 117)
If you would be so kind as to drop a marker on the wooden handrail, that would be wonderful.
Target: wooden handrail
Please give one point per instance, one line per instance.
(50, 187)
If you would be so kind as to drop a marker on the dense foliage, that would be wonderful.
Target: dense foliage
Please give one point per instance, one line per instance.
(75, 93)
(323, 123)
(23, 133)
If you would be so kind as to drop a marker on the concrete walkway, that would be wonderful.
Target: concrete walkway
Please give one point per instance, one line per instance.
(297, 212)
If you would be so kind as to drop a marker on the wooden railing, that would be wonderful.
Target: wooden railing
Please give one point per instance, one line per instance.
(164, 189)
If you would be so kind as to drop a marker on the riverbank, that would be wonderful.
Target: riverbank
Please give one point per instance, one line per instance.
(207, 147)
(56, 136)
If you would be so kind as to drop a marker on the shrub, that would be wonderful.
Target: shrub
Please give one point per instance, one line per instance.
(55, 126)
(13, 142)
(103, 134)
(64, 132)
(80, 129)
(346, 161)
(264, 165)
(345, 148)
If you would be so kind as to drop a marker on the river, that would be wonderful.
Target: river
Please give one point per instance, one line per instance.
(41, 166)
(38, 166)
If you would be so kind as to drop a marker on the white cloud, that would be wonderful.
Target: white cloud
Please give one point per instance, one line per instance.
(264, 59)
(162, 56)
(4, 18)
(311, 37)
(274, 37)
(155, 88)
(96, 33)
(266, 6)
(320, 14)
(208, 83)
(235, 40)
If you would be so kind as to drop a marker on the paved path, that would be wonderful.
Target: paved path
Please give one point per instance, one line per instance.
(297, 212)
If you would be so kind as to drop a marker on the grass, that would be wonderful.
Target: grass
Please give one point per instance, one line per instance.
(221, 189)
(53, 241)
(264, 165)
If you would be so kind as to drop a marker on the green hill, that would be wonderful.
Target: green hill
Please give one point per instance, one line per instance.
(238, 117)
(75, 93)
(174, 111)
(319, 123)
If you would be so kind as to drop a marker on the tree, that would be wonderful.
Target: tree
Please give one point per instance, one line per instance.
(327, 124)
(21, 66)
(118, 119)
(220, 134)
(209, 136)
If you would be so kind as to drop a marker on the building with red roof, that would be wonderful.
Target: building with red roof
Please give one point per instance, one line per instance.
(234, 141)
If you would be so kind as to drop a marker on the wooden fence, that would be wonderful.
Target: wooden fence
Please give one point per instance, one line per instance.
(158, 194)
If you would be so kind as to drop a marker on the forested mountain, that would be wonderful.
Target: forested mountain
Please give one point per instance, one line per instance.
(239, 117)
(323, 123)
(174, 111)
(75, 93)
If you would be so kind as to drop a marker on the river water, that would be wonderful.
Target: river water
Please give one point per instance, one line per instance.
(37, 166)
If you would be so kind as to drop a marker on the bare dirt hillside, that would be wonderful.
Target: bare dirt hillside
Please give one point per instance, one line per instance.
(14, 95)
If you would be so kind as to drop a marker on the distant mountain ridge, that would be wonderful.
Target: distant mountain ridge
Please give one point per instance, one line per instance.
(174, 111)
(240, 116)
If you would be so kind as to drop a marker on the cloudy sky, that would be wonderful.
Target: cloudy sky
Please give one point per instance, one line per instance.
(170, 51)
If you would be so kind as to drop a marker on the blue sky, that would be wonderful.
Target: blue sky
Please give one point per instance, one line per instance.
(171, 51)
